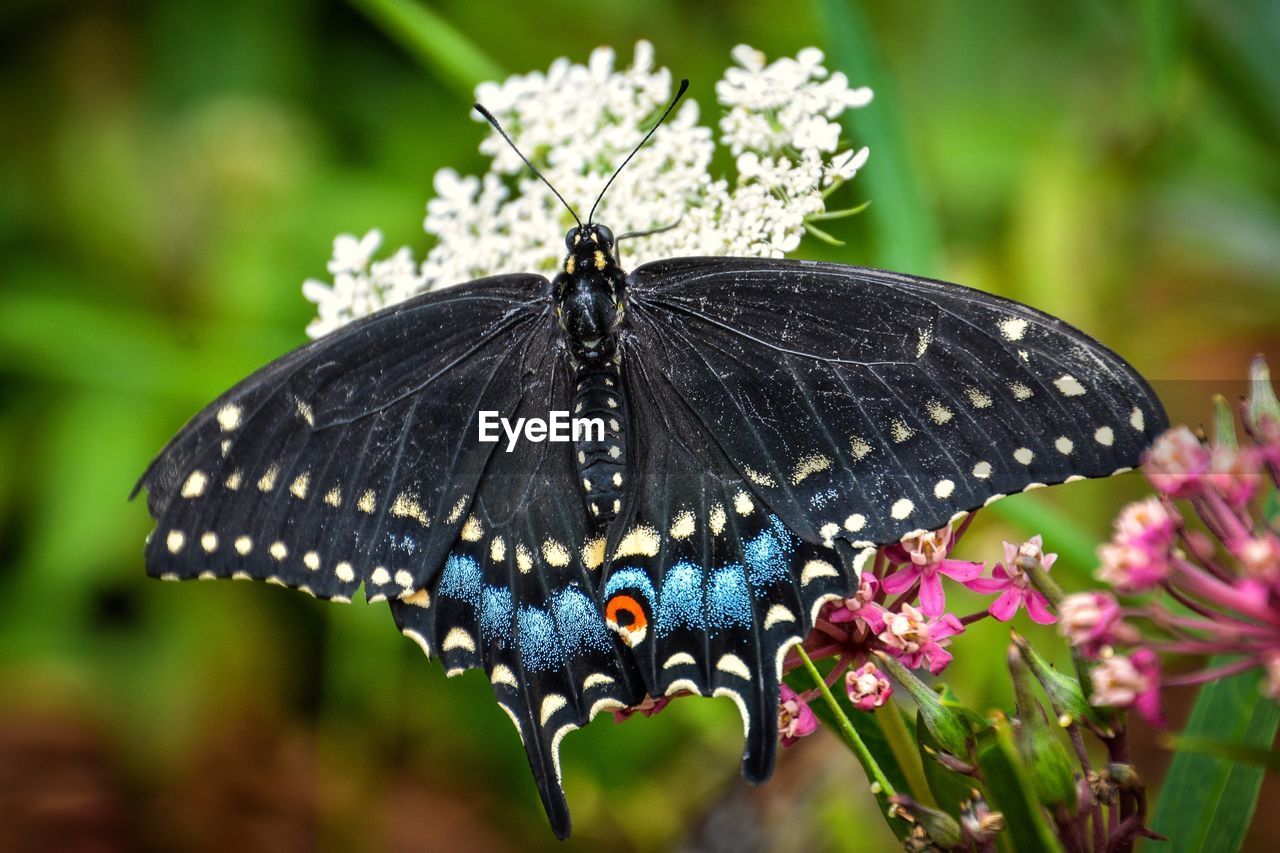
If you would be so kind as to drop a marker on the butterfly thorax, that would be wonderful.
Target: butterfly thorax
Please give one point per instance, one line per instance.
(590, 296)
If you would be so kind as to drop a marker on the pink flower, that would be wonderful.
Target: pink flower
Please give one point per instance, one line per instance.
(918, 641)
(1013, 583)
(861, 605)
(1234, 474)
(925, 559)
(795, 718)
(1260, 558)
(1129, 682)
(1176, 463)
(1091, 620)
(868, 687)
(1147, 523)
(1130, 567)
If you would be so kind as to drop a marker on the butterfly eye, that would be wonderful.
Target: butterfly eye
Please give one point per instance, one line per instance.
(606, 237)
(571, 239)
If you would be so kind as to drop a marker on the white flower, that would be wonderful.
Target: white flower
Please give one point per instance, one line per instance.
(779, 120)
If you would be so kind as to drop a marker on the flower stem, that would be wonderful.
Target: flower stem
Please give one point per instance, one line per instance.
(902, 745)
(847, 731)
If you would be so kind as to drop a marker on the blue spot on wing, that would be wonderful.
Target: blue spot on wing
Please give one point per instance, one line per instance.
(768, 555)
(629, 578)
(539, 641)
(680, 604)
(728, 599)
(581, 628)
(496, 610)
(462, 579)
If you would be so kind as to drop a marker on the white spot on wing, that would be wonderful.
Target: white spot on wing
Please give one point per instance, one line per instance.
(502, 674)
(1013, 328)
(1136, 419)
(243, 545)
(943, 489)
(550, 705)
(778, 613)
(734, 665)
(1064, 445)
(194, 486)
(1024, 455)
(716, 520)
(175, 540)
(683, 525)
(1104, 436)
(278, 551)
(742, 504)
(899, 431)
(458, 638)
(859, 447)
(1068, 385)
(982, 470)
(311, 560)
(855, 522)
(815, 569)
(229, 417)
(902, 508)
(209, 542)
(679, 659)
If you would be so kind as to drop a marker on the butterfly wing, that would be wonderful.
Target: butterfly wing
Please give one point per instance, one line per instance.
(517, 596)
(356, 459)
(865, 405)
(709, 587)
(351, 459)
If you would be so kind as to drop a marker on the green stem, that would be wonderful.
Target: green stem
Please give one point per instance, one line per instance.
(902, 745)
(434, 42)
(847, 731)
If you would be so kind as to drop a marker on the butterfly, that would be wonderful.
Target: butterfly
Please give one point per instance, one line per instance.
(762, 426)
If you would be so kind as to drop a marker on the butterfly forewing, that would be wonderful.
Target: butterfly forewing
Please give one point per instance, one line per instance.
(941, 399)
(348, 460)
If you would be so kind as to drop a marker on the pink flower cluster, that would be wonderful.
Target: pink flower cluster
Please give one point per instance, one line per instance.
(1211, 588)
(900, 608)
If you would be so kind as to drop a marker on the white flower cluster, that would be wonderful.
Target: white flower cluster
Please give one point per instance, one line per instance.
(577, 123)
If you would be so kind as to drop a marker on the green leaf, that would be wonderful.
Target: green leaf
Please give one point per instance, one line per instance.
(1012, 794)
(434, 42)
(1268, 759)
(1207, 801)
(905, 234)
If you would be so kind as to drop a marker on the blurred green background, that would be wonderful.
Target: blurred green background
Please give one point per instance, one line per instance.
(171, 172)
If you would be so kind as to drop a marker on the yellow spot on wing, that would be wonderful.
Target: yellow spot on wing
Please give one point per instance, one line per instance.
(758, 478)
(683, 525)
(555, 553)
(366, 502)
(717, 519)
(524, 560)
(809, 464)
(472, 530)
(641, 540)
(593, 553)
(406, 506)
(497, 549)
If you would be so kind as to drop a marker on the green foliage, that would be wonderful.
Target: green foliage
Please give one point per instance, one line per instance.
(1209, 798)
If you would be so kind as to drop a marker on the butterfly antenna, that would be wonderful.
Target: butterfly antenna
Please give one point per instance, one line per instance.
(684, 84)
(488, 116)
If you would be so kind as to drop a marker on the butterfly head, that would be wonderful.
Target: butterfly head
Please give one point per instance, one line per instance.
(590, 293)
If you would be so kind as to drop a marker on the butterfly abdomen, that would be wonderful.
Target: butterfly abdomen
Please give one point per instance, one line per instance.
(601, 453)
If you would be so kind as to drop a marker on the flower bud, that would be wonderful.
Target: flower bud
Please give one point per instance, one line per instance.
(946, 726)
(940, 827)
(1042, 751)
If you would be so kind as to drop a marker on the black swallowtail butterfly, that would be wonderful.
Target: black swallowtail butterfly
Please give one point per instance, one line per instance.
(767, 423)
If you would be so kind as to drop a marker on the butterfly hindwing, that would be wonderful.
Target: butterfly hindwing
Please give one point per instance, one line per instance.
(350, 459)
(709, 587)
(866, 405)
(518, 596)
